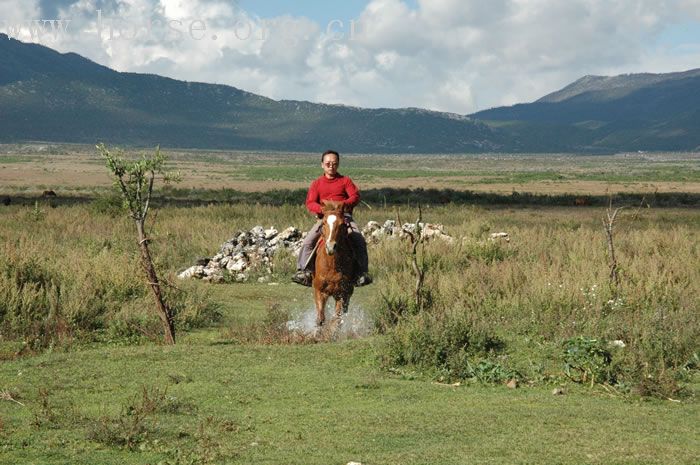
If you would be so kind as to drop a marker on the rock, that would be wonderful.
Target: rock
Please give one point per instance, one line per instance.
(212, 267)
(196, 271)
(202, 261)
(354, 463)
(270, 233)
(389, 227)
(241, 277)
(558, 391)
(427, 231)
(435, 231)
(618, 343)
(500, 235)
(215, 278)
(290, 234)
(227, 249)
(512, 384)
(236, 265)
(377, 235)
(263, 279)
(371, 226)
(258, 231)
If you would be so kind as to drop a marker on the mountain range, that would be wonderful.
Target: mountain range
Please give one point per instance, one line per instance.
(49, 96)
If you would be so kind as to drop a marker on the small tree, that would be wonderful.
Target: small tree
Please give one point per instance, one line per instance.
(418, 269)
(134, 178)
(609, 224)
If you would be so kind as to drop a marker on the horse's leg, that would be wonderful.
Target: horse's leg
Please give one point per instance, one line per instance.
(340, 306)
(321, 299)
(346, 303)
(346, 298)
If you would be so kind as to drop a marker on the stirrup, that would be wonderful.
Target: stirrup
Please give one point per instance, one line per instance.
(303, 277)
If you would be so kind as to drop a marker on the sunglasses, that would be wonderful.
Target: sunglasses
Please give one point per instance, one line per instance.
(329, 164)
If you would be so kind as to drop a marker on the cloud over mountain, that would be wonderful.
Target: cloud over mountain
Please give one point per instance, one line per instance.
(447, 55)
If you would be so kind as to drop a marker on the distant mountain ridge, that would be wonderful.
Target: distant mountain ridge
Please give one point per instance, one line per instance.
(45, 95)
(614, 86)
(49, 96)
(620, 113)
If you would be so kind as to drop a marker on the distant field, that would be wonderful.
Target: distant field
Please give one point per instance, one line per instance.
(77, 169)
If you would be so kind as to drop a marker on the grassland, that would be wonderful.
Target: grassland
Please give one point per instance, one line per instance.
(76, 169)
(85, 380)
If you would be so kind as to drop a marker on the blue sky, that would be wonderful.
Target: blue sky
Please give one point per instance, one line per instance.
(683, 32)
(317, 10)
(459, 56)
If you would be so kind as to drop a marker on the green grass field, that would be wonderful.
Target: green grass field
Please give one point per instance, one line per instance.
(312, 404)
(84, 378)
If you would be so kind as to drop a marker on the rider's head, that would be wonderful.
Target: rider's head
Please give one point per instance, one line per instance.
(329, 162)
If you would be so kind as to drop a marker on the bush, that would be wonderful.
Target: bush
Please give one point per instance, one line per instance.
(438, 344)
(490, 372)
(391, 309)
(30, 303)
(588, 360)
(194, 309)
(110, 204)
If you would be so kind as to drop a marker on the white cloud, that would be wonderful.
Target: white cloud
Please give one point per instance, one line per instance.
(451, 55)
(14, 11)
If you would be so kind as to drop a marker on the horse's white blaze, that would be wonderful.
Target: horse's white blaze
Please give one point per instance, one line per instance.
(331, 222)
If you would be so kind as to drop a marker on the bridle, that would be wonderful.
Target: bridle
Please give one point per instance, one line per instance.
(333, 225)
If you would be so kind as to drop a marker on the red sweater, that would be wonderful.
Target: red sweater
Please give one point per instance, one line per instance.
(339, 188)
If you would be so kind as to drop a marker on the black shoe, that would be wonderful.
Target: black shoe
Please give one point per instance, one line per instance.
(302, 277)
(363, 280)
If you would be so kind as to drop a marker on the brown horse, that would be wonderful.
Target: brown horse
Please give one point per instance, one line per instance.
(335, 271)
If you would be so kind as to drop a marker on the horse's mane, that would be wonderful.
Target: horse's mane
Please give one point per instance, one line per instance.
(332, 206)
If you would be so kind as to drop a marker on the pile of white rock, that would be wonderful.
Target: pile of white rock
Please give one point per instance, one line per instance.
(374, 232)
(245, 251)
(254, 249)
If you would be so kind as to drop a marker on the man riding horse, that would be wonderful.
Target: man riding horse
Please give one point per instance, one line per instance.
(332, 186)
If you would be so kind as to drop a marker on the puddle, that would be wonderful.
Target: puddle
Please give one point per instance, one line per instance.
(356, 323)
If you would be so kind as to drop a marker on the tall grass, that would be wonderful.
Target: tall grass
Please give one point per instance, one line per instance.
(550, 283)
(73, 271)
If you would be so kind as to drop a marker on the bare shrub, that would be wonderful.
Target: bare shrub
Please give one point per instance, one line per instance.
(135, 421)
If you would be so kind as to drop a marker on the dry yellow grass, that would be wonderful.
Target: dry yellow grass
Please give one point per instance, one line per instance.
(77, 168)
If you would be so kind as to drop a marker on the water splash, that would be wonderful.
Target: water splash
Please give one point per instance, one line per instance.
(356, 323)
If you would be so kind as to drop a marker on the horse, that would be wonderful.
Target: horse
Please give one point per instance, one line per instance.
(335, 271)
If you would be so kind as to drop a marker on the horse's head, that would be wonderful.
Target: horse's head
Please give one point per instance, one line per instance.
(333, 224)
